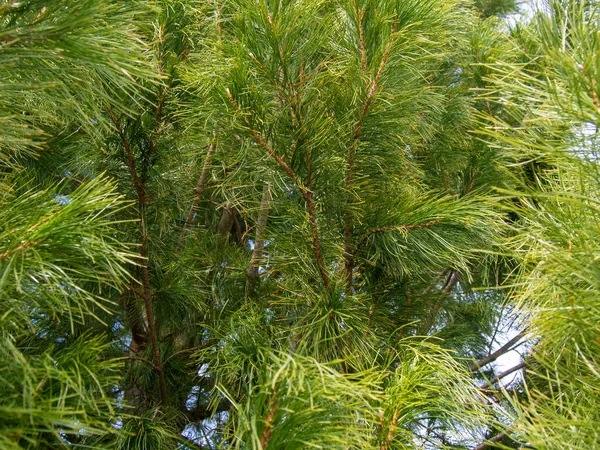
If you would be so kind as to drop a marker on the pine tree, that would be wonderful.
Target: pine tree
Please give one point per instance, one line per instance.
(249, 224)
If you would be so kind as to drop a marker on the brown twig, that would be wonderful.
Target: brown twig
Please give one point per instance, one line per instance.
(361, 37)
(17, 249)
(151, 322)
(391, 430)
(138, 358)
(350, 160)
(268, 428)
(451, 281)
(375, 83)
(510, 345)
(130, 160)
(147, 292)
(491, 440)
(594, 88)
(504, 374)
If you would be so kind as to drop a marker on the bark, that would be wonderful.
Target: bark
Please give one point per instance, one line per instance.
(148, 298)
(492, 440)
(273, 408)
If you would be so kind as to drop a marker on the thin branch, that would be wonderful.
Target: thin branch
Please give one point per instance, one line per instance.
(438, 278)
(17, 249)
(287, 169)
(160, 63)
(161, 38)
(147, 296)
(451, 281)
(375, 84)
(500, 436)
(130, 160)
(510, 345)
(305, 78)
(437, 435)
(504, 374)
(361, 37)
(391, 430)
(594, 88)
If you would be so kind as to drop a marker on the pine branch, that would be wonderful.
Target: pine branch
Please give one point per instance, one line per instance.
(138, 358)
(504, 374)
(349, 252)
(306, 193)
(437, 435)
(188, 350)
(160, 43)
(147, 292)
(593, 88)
(374, 84)
(449, 285)
(19, 248)
(161, 98)
(147, 296)
(130, 159)
(361, 37)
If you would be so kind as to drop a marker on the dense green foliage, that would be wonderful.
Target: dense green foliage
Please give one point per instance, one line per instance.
(278, 224)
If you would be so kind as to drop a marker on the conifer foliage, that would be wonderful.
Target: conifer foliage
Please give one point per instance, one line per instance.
(284, 224)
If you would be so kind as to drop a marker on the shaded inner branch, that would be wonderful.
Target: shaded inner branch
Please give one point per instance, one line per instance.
(349, 251)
